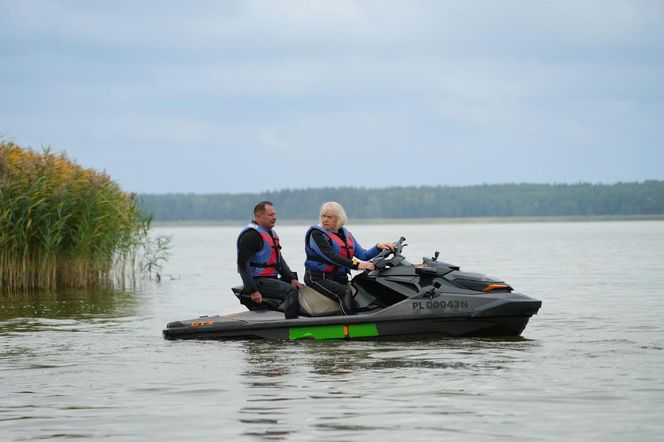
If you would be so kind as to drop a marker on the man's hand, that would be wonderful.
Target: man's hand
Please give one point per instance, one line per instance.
(297, 284)
(257, 297)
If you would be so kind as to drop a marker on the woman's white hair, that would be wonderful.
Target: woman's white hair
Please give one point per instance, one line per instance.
(336, 209)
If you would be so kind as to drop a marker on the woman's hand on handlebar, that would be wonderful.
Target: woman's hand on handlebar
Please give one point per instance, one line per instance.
(386, 245)
(366, 266)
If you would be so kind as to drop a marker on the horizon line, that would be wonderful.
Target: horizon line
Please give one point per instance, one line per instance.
(414, 186)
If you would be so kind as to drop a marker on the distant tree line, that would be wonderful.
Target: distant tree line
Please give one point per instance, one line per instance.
(487, 200)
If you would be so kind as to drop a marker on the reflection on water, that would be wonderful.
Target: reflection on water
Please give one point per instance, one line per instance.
(351, 388)
(70, 304)
(338, 358)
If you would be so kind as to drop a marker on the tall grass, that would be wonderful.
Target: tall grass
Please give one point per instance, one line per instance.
(64, 226)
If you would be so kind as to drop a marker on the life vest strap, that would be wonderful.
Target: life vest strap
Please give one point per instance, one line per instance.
(257, 264)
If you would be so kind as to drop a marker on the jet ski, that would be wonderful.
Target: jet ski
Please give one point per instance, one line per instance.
(396, 299)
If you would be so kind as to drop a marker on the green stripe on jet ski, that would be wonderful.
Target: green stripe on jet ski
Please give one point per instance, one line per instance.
(317, 332)
(333, 331)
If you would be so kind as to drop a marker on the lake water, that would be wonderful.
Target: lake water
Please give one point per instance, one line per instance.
(589, 366)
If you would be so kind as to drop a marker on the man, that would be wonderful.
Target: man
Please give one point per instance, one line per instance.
(259, 262)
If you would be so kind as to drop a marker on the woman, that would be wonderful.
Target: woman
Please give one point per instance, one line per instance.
(331, 252)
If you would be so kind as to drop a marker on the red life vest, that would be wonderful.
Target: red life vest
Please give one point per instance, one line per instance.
(265, 261)
(318, 261)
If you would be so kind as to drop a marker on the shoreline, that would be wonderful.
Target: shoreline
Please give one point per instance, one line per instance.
(459, 220)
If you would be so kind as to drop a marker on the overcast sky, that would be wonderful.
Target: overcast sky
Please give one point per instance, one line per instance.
(245, 96)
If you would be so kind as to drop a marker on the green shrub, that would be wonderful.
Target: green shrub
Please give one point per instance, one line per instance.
(63, 226)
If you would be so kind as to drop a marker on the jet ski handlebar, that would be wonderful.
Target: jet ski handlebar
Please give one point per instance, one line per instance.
(381, 260)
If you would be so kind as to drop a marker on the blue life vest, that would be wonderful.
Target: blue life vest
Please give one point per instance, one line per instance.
(316, 260)
(264, 262)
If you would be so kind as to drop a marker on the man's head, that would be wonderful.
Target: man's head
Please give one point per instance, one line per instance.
(265, 214)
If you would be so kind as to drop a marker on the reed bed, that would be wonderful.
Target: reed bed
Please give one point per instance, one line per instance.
(64, 226)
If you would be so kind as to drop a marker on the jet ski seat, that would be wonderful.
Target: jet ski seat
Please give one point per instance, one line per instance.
(316, 304)
(312, 303)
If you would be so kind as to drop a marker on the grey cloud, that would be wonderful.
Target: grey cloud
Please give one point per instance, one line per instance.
(462, 92)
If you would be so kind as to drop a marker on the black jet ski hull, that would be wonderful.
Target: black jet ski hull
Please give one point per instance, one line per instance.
(272, 325)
